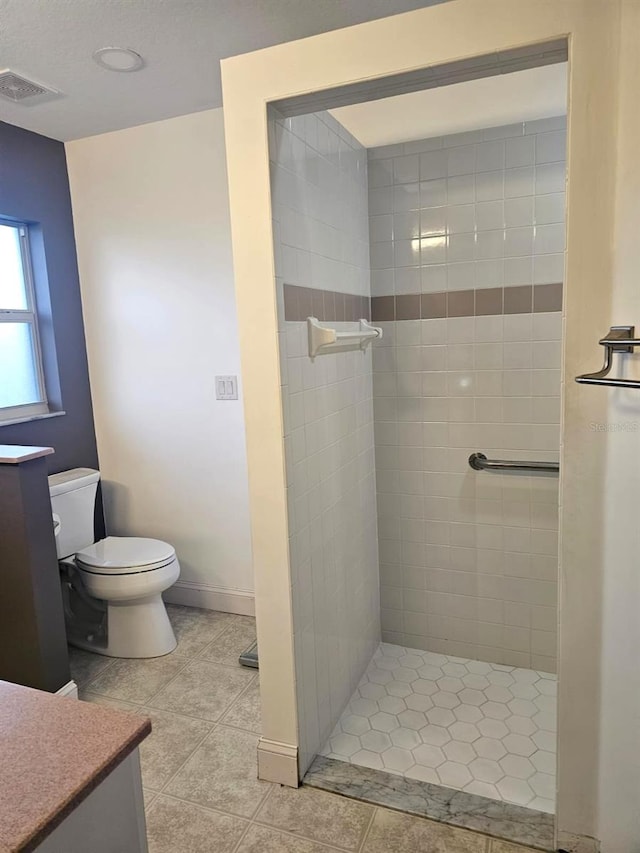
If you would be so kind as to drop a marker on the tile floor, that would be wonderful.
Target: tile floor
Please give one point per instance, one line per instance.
(199, 764)
(482, 728)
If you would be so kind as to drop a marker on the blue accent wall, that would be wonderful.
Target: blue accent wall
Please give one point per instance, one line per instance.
(34, 187)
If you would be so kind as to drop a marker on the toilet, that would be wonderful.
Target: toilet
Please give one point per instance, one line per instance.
(111, 589)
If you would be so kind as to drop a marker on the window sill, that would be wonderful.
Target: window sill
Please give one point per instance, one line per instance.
(31, 418)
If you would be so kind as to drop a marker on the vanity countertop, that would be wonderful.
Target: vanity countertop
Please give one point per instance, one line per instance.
(54, 751)
(14, 454)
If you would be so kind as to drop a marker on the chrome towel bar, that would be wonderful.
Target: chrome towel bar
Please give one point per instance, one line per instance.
(619, 339)
(479, 462)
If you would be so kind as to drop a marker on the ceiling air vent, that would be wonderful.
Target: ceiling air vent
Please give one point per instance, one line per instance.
(19, 89)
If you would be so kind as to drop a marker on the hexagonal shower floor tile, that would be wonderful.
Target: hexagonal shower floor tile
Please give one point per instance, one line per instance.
(478, 727)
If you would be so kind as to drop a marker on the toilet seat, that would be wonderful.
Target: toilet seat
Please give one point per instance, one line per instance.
(125, 555)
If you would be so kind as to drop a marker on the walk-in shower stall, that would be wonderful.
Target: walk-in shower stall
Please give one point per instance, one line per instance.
(424, 577)
(416, 579)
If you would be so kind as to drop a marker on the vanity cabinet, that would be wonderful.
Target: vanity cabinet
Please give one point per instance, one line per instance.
(33, 643)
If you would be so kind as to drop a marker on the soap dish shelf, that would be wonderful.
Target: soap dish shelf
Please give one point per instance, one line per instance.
(324, 340)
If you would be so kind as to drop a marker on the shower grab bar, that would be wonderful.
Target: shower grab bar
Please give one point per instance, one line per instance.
(322, 339)
(479, 462)
(619, 339)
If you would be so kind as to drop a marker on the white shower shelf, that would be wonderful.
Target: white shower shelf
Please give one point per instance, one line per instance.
(324, 340)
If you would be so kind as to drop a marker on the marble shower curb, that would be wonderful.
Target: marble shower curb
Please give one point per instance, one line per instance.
(469, 811)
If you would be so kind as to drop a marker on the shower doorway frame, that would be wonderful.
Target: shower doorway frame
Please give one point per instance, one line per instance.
(597, 281)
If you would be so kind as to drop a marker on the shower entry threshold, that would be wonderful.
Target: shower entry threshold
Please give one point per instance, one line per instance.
(423, 799)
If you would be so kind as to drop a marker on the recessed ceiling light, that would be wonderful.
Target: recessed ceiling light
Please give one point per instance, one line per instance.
(118, 59)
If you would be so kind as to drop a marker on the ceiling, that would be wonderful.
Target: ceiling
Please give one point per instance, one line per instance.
(182, 42)
(488, 102)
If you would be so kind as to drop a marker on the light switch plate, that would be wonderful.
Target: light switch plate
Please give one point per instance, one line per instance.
(226, 387)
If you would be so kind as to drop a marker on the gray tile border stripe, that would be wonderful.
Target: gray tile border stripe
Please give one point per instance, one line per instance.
(408, 307)
(518, 300)
(525, 299)
(547, 297)
(333, 306)
(325, 305)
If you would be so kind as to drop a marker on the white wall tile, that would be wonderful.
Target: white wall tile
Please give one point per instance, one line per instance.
(474, 552)
(433, 193)
(490, 215)
(519, 182)
(489, 186)
(551, 147)
(433, 164)
(550, 208)
(519, 211)
(550, 178)
(490, 244)
(461, 160)
(461, 189)
(460, 218)
(406, 169)
(490, 156)
(518, 271)
(549, 239)
(520, 151)
(328, 412)
(381, 173)
(460, 275)
(381, 228)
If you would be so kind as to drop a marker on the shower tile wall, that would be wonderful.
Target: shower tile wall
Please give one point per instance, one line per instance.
(319, 195)
(467, 242)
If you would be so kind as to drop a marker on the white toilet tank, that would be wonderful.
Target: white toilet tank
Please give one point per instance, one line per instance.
(73, 498)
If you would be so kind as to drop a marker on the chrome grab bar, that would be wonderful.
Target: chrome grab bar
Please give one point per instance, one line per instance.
(619, 339)
(479, 462)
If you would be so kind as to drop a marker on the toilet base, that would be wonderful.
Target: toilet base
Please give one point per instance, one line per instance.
(135, 629)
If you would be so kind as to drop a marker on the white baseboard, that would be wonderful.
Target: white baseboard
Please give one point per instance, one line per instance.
(278, 762)
(69, 689)
(570, 843)
(211, 598)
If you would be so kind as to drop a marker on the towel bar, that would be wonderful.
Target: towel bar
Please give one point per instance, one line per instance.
(619, 339)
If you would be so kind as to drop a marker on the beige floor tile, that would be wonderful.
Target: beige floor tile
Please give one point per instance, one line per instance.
(392, 832)
(317, 816)
(175, 827)
(245, 711)
(172, 740)
(107, 701)
(235, 639)
(149, 797)
(194, 628)
(260, 839)
(498, 846)
(85, 665)
(222, 774)
(136, 680)
(203, 689)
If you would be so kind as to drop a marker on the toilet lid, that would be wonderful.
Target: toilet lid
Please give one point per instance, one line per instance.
(116, 553)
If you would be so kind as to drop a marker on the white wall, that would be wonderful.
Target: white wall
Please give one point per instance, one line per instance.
(151, 218)
(619, 816)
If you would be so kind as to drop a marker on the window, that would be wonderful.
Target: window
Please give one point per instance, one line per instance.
(22, 389)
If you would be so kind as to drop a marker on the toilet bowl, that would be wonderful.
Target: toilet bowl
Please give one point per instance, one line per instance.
(112, 589)
(130, 575)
